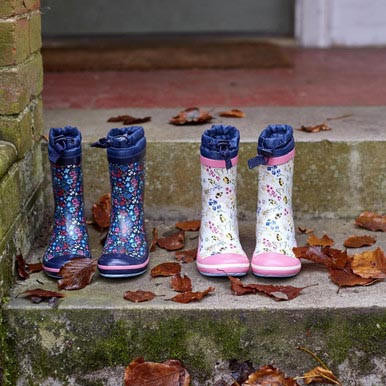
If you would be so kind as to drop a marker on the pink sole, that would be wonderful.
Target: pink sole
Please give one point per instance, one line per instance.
(227, 263)
(275, 265)
(56, 270)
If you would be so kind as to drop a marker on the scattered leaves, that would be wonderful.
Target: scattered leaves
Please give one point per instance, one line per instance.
(101, 211)
(191, 116)
(35, 267)
(187, 255)
(168, 373)
(370, 264)
(38, 295)
(181, 284)
(269, 375)
(315, 129)
(327, 256)
(233, 113)
(320, 375)
(371, 221)
(359, 241)
(154, 240)
(325, 241)
(305, 230)
(187, 297)
(172, 242)
(193, 225)
(129, 120)
(277, 292)
(21, 267)
(139, 296)
(166, 269)
(345, 277)
(77, 273)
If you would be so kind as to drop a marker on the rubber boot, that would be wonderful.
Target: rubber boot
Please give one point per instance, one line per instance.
(126, 251)
(219, 251)
(275, 232)
(69, 238)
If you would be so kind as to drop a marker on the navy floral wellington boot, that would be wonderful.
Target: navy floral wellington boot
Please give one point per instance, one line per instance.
(69, 238)
(126, 251)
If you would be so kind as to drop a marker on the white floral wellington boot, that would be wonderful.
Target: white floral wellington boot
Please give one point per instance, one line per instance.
(219, 251)
(275, 232)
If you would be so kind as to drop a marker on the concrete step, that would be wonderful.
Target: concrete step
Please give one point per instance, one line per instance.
(90, 335)
(338, 173)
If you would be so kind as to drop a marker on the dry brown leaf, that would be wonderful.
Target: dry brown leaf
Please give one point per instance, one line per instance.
(168, 373)
(305, 230)
(166, 269)
(345, 277)
(181, 284)
(320, 375)
(370, 264)
(38, 294)
(269, 376)
(129, 120)
(327, 256)
(139, 296)
(154, 241)
(35, 267)
(371, 221)
(187, 297)
(191, 116)
(187, 255)
(193, 225)
(325, 241)
(359, 241)
(77, 273)
(21, 267)
(172, 242)
(315, 129)
(277, 292)
(233, 113)
(101, 211)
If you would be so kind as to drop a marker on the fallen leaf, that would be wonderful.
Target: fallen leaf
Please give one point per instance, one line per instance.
(139, 296)
(154, 241)
(269, 376)
(370, 264)
(277, 292)
(166, 269)
(38, 295)
(325, 241)
(359, 241)
(191, 116)
(305, 230)
(101, 211)
(181, 284)
(188, 296)
(315, 129)
(327, 256)
(21, 267)
(371, 221)
(129, 120)
(77, 273)
(320, 375)
(193, 225)
(241, 370)
(168, 373)
(172, 242)
(35, 267)
(345, 277)
(234, 113)
(187, 255)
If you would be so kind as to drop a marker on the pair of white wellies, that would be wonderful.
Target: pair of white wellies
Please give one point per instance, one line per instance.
(220, 252)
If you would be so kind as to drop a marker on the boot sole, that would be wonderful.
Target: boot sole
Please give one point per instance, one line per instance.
(121, 275)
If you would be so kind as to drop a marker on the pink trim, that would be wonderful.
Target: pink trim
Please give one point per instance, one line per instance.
(51, 269)
(118, 267)
(275, 264)
(226, 263)
(281, 160)
(217, 163)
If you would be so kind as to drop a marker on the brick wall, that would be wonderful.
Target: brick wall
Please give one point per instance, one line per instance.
(21, 125)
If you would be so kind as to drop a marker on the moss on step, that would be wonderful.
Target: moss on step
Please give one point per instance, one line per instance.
(63, 343)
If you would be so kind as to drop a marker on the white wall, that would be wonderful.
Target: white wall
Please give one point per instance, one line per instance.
(325, 23)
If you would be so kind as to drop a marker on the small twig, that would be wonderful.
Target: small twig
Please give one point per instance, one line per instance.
(339, 117)
(320, 375)
(314, 356)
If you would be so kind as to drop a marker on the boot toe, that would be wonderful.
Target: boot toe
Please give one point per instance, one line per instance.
(122, 265)
(52, 266)
(273, 264)
(223, 264)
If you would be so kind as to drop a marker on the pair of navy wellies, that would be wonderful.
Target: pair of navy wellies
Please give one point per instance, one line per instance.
(126, 251)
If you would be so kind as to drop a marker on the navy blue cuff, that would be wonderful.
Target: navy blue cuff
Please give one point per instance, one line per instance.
(64, 145)
(220, 142)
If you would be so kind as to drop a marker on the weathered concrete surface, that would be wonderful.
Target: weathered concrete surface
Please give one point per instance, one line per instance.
(338, 173)
(7, 156)
(93, 332)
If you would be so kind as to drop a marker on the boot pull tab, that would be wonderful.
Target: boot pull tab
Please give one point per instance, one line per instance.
(260, 159)
(224, 151)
